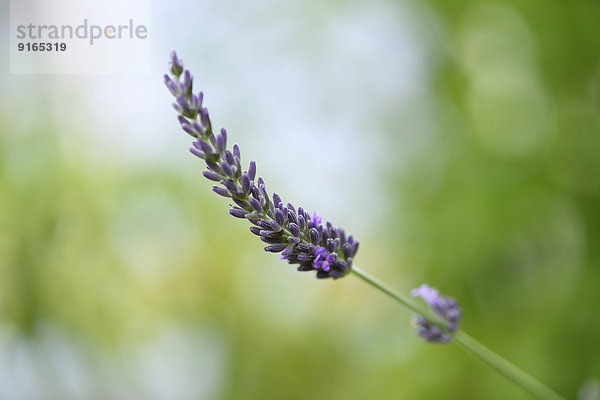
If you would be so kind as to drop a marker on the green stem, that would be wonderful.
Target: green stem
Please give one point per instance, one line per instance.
(468, 344)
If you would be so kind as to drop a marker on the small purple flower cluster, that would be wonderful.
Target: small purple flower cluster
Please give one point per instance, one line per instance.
(444, 306)
(301, 238)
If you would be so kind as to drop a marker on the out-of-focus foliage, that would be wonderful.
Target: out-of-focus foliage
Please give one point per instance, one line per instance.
(120, 280)
(503, 205)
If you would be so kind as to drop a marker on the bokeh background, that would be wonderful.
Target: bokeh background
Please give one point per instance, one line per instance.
(459, 141)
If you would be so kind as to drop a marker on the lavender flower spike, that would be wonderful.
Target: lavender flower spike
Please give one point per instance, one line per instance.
(444, 306)
(300, 237)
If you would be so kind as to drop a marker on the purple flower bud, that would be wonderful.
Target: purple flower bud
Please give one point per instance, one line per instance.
(230, 185)
(245, 183)
(301, 222)
(347, 250)
(226, 168)
(229, 158)
(262, 199)
(287, 250)
(182, 101)
(223, 137)
(303, 257)
(204, 117)
(341, 235)
(322, 232)
(355, 248)
(276, 248)
(238, 212)
(176, 64)
(171, 85)
(330, 245)
(254, 217)
(271, 210)
(276, 200)
(294, 229)
(322, 274)
(255, 204)
(290, 206)
(279, 217)
(219, 144)
(303, 248)
(178, 108)
(262, 189)
(187, 84)
(256, 230)
(444, 306)
(305, 266)
(214, 167)
(292, 215)
(267, 208)
(195, 102)
(197, 152)
(271, 239)
(293, 239)
(333, 233)
(264, 223)
(274, 226)
(314, 236)
(189, 130)
(202, 145)
(197, 127)
(236, 152)
(242, 204)
(221, 191)
(430, 332)
(212, 176)
(252, 170)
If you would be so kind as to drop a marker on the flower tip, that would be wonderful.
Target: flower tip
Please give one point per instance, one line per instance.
(176, 64)
(445, 307)
(428, 293)
(252, 170)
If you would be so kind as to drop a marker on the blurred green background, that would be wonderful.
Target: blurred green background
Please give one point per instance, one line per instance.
(459, 141)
